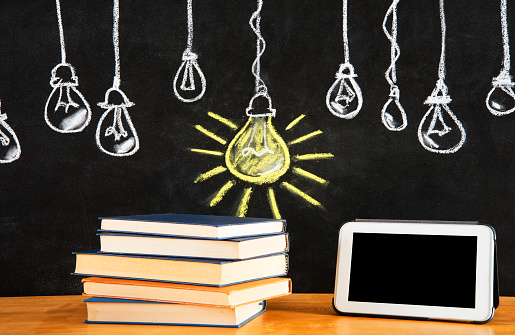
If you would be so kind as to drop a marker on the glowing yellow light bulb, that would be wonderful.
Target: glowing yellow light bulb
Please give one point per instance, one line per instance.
(258, 154)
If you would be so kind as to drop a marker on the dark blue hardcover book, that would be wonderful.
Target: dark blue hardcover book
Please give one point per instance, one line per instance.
(205, 226)
(125, 311)
(183, 270)
(180, 246)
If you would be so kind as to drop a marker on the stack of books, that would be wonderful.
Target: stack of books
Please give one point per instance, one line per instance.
(184, 269)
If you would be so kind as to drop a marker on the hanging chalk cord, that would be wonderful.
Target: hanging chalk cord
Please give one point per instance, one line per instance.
(187, 91)
(260, 87)
(344, 98)
(438, 100)
(115, 139)
(71, 112)
(391, 114)
(10, 149)
(501, 98)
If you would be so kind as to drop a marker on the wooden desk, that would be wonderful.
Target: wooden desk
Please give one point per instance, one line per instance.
(294, 314)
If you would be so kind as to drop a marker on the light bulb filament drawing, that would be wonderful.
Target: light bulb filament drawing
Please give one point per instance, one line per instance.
(190, 61)
(117, 128)
(345, 93)
(69, 100)
(437, 125)
(10, 149)
(3, 138)
(252, 147)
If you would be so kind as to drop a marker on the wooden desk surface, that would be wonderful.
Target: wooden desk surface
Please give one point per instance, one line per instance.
(293, 314)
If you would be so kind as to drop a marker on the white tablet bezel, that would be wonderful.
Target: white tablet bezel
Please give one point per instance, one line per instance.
(484, 308)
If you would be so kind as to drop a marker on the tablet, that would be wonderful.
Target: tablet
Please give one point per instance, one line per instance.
(435, 271)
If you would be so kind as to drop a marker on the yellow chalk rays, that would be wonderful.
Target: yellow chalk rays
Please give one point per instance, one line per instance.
(301, 194)
(273, 203)
(210, 173)
(309, 175)
(244, 203)
(221, 193)
(223, 120)
(210, 134)
(294, 122)
(305, 137)
(259, 170)
(308, 157)
(207, 152)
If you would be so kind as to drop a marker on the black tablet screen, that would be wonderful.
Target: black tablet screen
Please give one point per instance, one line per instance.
(430, 270)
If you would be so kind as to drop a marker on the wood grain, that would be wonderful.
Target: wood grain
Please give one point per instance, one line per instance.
(293, 314)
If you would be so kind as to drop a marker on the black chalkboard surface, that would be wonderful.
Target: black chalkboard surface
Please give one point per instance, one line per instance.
(52, 195)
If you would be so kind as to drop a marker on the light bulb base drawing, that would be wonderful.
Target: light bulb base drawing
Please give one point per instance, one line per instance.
(258, 154)
(344, 98)
(186, 89)
(66, 109)
(250, 111)
(118, 138)
(501, 98)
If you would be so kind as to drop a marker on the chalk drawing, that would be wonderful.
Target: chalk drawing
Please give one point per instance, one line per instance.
(344, 98)
(393, 115)
(501, 98)
(258, 155)
(66, 110)
(10, 149)
(434, 132)
(117, 138)
(186, 90)
(245, 196)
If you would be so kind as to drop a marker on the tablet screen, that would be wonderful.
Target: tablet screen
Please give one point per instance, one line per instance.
(430, 270)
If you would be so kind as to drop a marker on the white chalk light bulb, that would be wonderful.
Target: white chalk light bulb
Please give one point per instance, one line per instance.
(187, 88)
(501, 98)
(115, 134)
(344, 98)
(66, 110)
(440, 131)
(393, 115)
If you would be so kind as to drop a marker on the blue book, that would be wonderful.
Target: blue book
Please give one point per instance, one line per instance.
(196, 271)
(179, 246)
(107, 310)
(188, 225)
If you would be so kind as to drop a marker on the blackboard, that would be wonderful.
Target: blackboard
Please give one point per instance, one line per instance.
(51, 197)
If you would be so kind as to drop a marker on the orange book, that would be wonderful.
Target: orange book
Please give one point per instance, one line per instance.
(230, 296)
